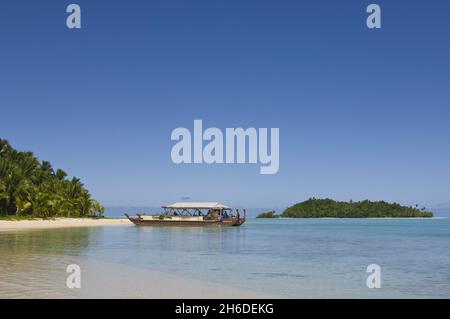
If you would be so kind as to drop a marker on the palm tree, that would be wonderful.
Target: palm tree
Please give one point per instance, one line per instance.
(28, 186)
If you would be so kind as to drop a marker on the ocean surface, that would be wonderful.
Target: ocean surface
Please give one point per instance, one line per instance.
(294, 258)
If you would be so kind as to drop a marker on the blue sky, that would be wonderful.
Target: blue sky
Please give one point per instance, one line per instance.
(362, 113)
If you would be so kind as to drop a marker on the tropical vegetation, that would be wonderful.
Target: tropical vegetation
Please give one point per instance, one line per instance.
(33, 188)
(270, 214)
(362, 209)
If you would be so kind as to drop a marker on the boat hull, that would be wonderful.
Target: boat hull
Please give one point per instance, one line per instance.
(231, 222)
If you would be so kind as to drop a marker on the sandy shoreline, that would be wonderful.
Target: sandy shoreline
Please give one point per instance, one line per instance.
(6, 225)
(109, 280)
(44, 276)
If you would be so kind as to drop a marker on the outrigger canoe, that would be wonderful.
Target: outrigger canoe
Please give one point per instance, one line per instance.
(192, 214)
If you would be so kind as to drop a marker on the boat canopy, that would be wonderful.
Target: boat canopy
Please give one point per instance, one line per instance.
(197, 205)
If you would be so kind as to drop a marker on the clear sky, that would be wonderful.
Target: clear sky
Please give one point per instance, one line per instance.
(362, 113)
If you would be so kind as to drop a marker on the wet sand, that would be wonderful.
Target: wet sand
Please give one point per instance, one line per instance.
(105, 280)
(102, 280)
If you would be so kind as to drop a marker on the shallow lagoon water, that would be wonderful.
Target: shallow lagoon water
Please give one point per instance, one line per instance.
(322, 258)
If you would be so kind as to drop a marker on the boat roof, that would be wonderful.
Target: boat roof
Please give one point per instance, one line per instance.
(197, 205)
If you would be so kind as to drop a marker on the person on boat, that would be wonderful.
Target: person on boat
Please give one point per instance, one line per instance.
(215, 214)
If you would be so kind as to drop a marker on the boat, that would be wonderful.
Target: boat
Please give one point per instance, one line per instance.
(192, 214)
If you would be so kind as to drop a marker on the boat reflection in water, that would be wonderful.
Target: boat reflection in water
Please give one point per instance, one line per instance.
(192, 214)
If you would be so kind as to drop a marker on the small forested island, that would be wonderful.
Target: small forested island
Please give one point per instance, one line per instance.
(318, 208)
(270, 214)
(30, 188)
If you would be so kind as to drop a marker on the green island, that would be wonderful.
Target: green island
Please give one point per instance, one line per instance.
(270, 214)
(320, 208)
(30, 189)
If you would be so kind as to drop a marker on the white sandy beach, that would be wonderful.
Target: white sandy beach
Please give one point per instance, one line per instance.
(60, 223)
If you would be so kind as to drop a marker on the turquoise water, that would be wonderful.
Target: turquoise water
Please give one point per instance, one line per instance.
(286, 257)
